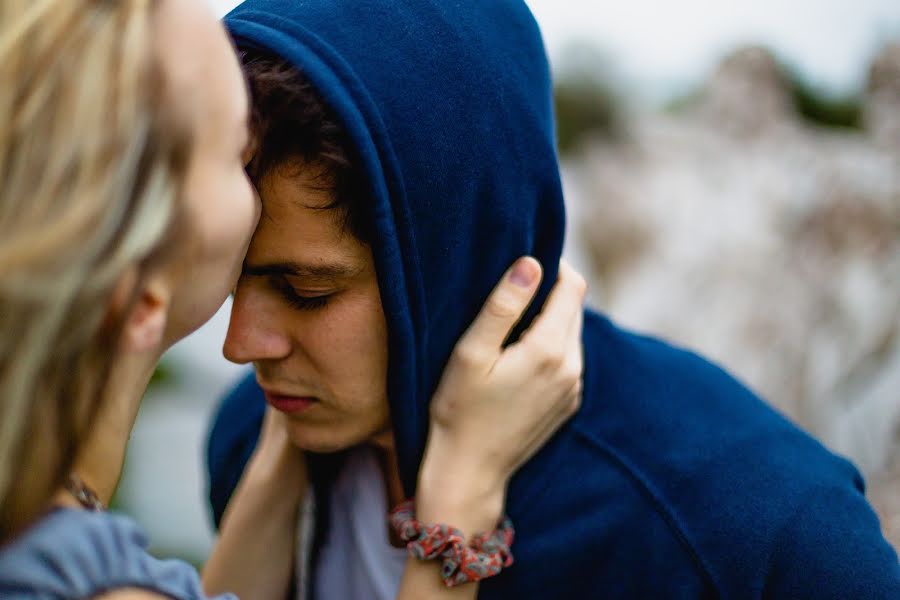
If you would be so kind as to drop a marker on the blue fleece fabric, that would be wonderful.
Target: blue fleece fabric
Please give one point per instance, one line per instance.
(673, 481)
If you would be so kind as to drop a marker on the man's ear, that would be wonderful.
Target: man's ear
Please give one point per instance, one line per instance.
(144, 323)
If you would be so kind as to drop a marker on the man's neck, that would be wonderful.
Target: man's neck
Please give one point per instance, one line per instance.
(386, 450)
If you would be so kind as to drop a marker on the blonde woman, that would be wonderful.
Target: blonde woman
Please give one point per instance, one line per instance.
(124, 216)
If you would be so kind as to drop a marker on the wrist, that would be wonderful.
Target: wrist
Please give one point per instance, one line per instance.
(458, 490)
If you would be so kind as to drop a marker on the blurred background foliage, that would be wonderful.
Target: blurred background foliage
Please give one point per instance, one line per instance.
(820, 107)
(587, 98)
(164, 375)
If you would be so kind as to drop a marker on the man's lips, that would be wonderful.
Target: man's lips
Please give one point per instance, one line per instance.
(288, 404)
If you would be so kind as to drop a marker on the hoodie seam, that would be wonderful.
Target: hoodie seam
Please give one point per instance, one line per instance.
(655, 499)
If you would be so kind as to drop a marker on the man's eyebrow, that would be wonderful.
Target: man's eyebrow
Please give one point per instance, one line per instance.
(293, 269)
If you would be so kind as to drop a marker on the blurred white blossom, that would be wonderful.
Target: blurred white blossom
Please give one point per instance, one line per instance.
(772, 246)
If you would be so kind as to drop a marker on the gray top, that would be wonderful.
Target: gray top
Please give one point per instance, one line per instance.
(76, 554)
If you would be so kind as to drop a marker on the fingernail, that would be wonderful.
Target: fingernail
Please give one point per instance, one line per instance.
(523, 274)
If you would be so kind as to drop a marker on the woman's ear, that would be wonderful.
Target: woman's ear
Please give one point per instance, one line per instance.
(145, 305)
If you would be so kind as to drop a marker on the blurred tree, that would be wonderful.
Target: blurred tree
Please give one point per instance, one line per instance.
(777, 90)
(821, 108)
(164, 374)
(583, 109)
(585, 100)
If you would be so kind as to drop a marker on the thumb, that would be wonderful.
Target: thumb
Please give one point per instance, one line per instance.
(503, 309)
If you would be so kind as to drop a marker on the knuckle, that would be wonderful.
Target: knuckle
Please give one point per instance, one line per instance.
(546, 359)
(467, 354)
(570, 372)
(502, 307)
(574, 361)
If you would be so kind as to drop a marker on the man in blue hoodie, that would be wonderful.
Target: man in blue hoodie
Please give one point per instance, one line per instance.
(435, 139)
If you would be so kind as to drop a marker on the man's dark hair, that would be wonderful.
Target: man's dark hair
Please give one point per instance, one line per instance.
(293, 126)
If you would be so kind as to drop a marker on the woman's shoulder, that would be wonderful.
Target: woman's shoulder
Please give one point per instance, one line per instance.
(73, 553)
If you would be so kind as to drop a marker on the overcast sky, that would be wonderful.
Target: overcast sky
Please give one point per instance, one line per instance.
(664, 47)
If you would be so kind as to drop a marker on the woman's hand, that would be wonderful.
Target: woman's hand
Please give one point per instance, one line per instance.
(254, 555)
(276, 456)
(495, 407)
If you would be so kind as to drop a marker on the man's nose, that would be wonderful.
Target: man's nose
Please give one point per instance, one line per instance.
(254, 333)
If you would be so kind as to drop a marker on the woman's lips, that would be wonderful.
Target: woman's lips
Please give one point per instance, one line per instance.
(288, 404)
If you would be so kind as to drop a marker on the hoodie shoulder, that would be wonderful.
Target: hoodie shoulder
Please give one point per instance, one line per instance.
(232, 439)
(733, 477)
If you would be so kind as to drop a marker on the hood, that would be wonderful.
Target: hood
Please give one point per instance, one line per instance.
(449, 107)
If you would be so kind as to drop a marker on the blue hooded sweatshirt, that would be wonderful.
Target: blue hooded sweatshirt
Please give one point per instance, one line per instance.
(673, 480)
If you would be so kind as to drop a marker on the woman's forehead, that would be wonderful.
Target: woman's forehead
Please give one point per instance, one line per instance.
(201, 72)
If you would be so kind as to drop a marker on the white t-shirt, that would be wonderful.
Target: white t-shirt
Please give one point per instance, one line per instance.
(357, 561)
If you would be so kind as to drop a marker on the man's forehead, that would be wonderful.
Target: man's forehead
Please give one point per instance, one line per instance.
(290, 203)
(299, 235)
(293, 183)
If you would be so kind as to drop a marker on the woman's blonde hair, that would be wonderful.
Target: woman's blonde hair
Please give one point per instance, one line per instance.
(89, 173)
